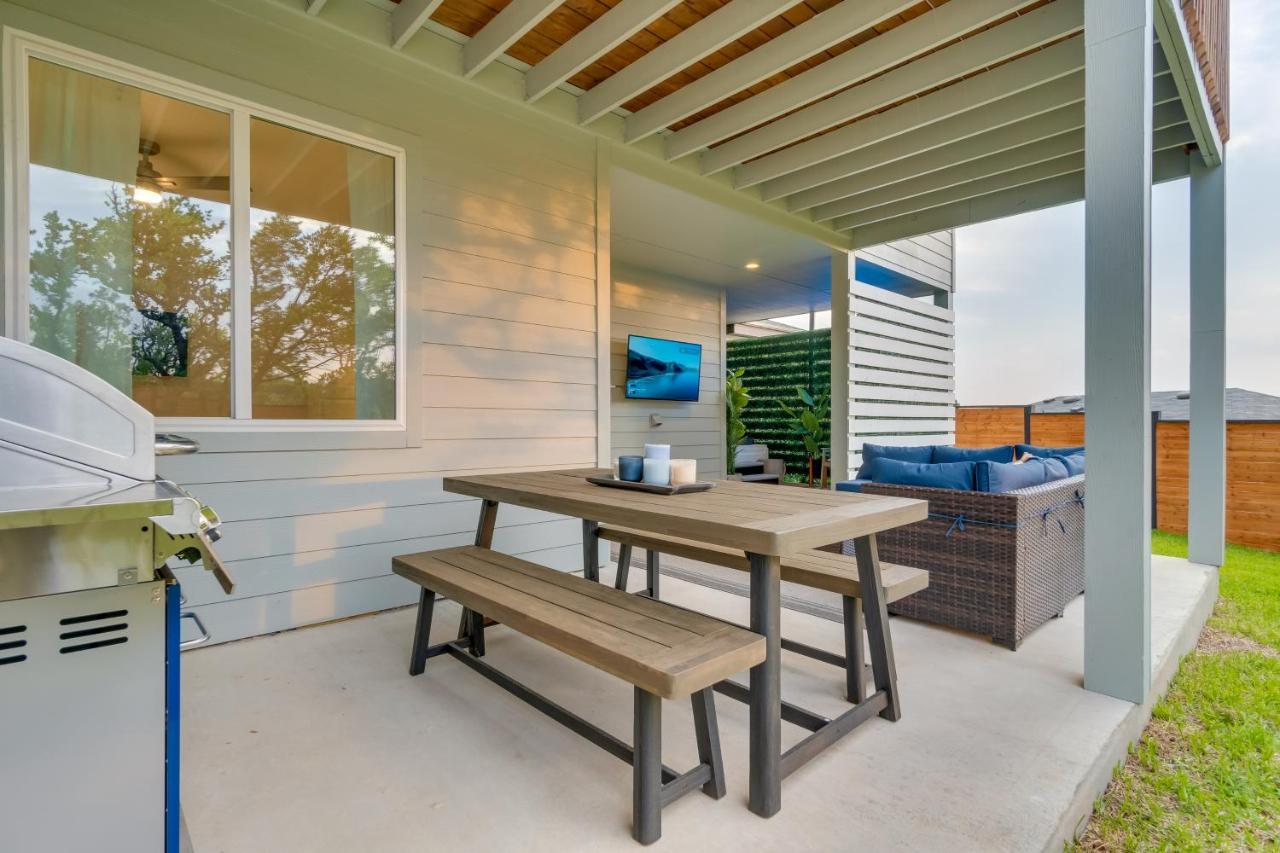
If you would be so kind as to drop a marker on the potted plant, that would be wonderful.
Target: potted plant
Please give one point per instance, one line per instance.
(735, 401)
(809, 419)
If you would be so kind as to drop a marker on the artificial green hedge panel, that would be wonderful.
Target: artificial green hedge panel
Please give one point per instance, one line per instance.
(775, 367)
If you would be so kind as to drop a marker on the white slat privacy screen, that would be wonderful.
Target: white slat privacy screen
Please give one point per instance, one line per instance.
(901, 367)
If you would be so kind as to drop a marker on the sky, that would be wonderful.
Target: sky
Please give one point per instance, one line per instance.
(1020, 281)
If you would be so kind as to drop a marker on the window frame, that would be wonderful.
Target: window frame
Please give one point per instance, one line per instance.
(19, 50)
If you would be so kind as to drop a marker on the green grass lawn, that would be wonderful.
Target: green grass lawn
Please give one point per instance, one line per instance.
(1206, 773)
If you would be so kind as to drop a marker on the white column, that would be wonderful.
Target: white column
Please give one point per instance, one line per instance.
(840, 268)
(1206, 514)
(1117, 635)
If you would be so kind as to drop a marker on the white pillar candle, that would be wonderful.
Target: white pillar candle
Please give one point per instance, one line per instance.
(684, 471)
(657, 451)
(657, 472)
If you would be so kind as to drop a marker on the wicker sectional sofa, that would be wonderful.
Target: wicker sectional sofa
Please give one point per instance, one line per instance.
(999, 564)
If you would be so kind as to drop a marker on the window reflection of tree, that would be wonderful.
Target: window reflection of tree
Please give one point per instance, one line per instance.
(323, 321)
(104, 290)
(133, 282)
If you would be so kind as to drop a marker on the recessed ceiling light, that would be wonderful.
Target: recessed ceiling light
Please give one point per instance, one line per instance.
(752, 265)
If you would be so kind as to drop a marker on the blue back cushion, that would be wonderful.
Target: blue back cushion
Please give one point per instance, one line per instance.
(1074, 463)
(947, 453)
(1001, 477)
(1047, 451)
(946, 475)
(1054, 469)
(871, 452)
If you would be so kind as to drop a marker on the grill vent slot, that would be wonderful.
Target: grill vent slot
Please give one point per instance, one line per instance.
(8, 643)
(93, 617)
(97, 644)
(103, 635)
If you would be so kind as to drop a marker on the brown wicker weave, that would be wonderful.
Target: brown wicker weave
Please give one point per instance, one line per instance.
(1009, 565)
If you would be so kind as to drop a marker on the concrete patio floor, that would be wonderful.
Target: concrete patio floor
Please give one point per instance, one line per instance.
(318, 740)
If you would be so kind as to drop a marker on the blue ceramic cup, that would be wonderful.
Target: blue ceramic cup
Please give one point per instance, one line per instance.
(630, 468)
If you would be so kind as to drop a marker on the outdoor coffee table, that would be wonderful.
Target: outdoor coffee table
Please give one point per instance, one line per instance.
(766, 523)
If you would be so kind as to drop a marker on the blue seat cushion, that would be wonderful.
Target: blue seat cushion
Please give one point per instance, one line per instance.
(947, 453)
(999, 477)
(870, 452)
(1074, 463)
(851, 485)
(945, 475)
(1047, 451)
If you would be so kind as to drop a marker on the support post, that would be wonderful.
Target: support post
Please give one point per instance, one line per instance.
(1118, 66)
(1207, 445)
(841, 268)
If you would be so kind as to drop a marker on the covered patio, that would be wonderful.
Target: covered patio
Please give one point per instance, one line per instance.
(555, 179)
(995, 751)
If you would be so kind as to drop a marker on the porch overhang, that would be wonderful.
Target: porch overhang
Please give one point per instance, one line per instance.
(851, 123)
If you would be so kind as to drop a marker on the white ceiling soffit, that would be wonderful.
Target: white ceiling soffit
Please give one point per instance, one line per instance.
(935, 121)
(657, 227)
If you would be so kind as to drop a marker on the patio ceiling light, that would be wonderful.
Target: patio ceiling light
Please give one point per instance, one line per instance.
(752, 265)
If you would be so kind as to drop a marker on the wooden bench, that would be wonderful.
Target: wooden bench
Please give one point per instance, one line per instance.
(816, 569)
(664, 651)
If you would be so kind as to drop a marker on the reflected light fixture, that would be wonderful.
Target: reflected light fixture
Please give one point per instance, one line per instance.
(752, 265)
(146, 195)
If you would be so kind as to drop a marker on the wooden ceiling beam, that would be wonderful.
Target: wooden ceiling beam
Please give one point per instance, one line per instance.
(830, 200)
(708, 35)
(601, 36)
(504, 30)
(913, 38)
(1059, 60)
(980, 51)
(815, 35)
(408, 17)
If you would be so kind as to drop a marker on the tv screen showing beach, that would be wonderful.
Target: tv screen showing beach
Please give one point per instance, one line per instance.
(658, 369)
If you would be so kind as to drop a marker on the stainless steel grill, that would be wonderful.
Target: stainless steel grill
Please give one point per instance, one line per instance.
(90, 613)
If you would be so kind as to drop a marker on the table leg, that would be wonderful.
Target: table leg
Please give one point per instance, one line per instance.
(484, 539)
(766, 687)
(883, 670)
(590, 550)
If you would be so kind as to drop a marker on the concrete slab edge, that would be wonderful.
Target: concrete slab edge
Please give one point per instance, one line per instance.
(1075, 818)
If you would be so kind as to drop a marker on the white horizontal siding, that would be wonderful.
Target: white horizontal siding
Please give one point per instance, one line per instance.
(927, 258)
(902, 353)
(649, 303)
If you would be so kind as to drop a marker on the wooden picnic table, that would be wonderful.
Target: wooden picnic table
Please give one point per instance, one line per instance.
(766, 523)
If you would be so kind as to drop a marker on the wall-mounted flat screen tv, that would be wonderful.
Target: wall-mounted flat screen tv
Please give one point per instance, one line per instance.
(659, 369)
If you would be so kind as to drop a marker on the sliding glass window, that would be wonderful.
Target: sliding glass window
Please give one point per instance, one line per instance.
(208, 261)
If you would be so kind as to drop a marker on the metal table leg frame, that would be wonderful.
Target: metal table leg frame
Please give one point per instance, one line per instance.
(590, 550)
(484, 539)
(624, 567)
(854, 653)
(653, 572)
(883, 670)
(854, 644)
(766, 687)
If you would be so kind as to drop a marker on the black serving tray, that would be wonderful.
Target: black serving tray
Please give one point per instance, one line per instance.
(685, 489)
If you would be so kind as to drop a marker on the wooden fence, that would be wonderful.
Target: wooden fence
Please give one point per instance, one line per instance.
(1253, 464)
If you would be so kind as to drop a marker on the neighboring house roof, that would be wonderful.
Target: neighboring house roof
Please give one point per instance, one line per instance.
(1242, 405)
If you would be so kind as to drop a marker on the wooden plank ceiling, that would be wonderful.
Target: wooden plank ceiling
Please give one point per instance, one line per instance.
(878, 117)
